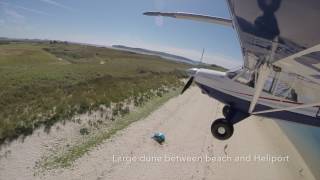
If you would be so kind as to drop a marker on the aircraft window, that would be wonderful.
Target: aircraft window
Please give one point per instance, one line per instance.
(293, 95)
(270, 82)
(282, 90)
(286, 88)
(252, 82)
(281, 87)
(288, 93)
(304, 90)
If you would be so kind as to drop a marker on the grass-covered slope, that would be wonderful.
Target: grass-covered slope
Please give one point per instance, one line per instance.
(42, 83)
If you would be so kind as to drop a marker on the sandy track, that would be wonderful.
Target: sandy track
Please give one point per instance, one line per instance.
(185, 120)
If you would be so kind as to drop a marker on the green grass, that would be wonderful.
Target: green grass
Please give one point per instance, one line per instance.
(69, 155)
(44, 83)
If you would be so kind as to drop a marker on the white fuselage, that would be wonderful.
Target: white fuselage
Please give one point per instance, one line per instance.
(220, 82)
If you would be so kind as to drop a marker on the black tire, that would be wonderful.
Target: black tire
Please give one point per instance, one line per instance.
(222, 124)
(226, 111)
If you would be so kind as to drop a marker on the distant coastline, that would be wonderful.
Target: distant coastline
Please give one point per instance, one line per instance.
(157, 53)
(168, 56)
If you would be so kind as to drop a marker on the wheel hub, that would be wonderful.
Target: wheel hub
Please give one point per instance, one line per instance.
(221, 130)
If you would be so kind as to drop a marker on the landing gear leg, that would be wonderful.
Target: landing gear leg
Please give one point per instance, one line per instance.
(227, 111)
(222, 128)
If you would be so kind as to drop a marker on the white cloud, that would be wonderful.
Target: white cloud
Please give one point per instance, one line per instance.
(13, 14)
(55, 3)
(33, 10)
(6, 5)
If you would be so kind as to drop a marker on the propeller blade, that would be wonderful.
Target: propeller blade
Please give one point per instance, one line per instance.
(187, 85)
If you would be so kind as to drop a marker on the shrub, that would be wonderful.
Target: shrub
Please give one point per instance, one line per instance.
(124, 111)
(159, 93)
(83, 107)
(115, 112)
(84, 131)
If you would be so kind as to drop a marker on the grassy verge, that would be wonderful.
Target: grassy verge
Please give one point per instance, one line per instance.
(43, 83)
(67, 157)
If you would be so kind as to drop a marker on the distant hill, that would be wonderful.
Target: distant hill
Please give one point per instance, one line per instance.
(169, 57)
(156, 53)
(164, 55)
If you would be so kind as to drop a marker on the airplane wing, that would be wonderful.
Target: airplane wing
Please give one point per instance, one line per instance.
(195, 17)
(283, 34)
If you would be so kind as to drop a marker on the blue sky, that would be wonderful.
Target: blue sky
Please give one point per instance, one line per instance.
(108, 22)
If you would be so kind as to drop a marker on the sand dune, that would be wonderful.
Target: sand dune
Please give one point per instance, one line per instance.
(190, 151)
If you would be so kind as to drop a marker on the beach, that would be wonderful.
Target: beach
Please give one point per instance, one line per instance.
(258, 149)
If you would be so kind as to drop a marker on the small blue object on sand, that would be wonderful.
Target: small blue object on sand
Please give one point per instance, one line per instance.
(159, 137)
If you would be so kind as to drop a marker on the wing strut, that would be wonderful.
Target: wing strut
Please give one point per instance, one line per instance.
(264, 72)
(288, 108)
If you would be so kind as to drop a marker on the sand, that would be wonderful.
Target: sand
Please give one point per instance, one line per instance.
(190, 151)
